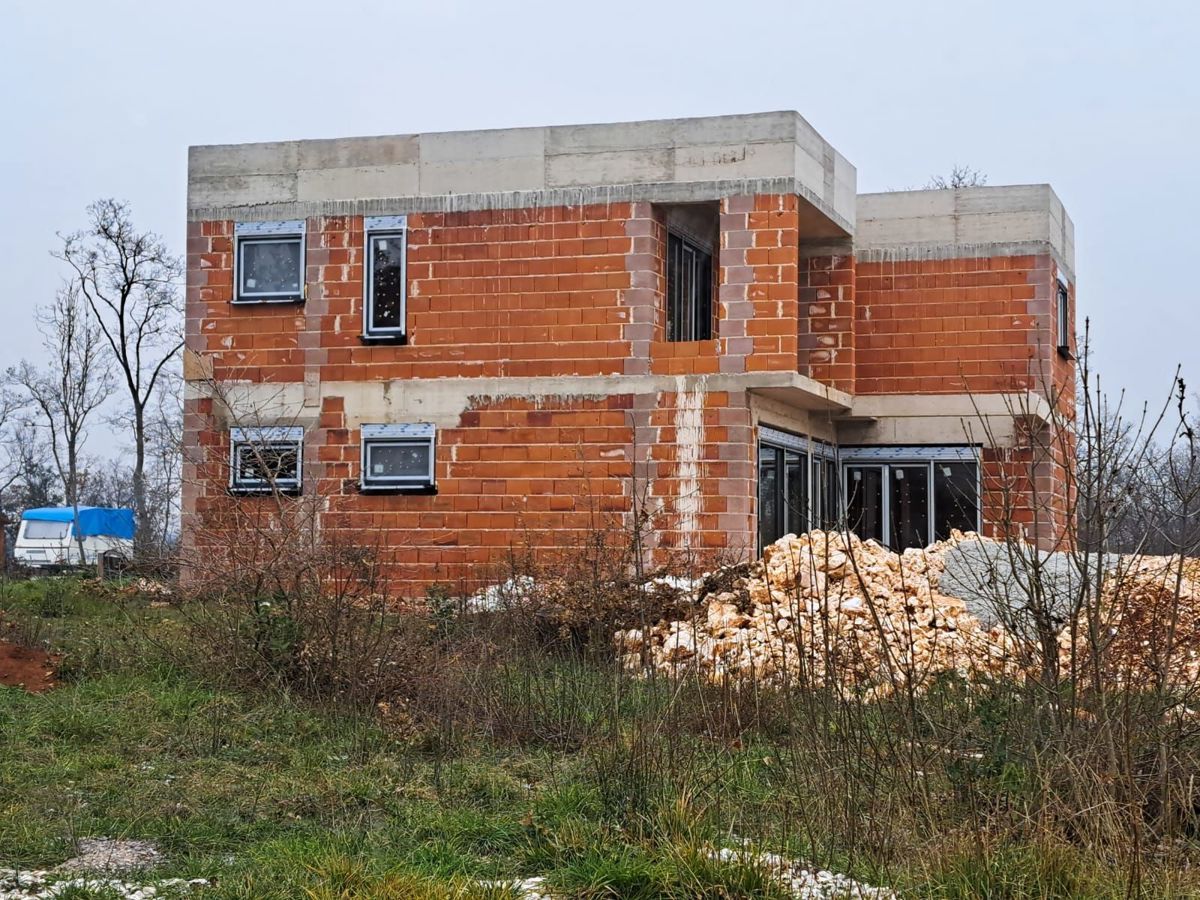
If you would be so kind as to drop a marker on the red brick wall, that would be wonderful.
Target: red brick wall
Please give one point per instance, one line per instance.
(563, 291)
(827, 320)
(953, 325)
(519, 475)
(1027, 491)
(528, 292)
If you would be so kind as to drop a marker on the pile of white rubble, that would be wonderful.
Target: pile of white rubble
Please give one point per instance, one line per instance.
(38, 884)
(825, 607)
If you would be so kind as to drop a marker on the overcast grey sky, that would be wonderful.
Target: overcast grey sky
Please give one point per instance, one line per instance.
(1101, 99)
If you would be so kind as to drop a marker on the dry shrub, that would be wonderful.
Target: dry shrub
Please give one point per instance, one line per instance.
(271, 600)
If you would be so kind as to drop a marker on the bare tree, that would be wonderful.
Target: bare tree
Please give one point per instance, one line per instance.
(75, 383)
(960, 176)
(29, 481)
(130, 280)
(10, 470)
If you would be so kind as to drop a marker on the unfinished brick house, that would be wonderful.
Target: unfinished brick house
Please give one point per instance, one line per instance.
(459, 342)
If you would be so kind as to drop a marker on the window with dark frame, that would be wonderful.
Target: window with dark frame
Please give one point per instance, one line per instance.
(269, 262)
(864, 501)
(689, 290)
(384, 306)
(1063, 315)
(398, 457)
(955, 498)
(797, 485)
(266, 460)
(905, 500)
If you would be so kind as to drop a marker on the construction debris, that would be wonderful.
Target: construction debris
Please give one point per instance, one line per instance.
(802, 881)
(827, 608)
(42, 885)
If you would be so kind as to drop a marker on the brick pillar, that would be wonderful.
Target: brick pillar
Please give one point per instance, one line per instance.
(826, 332)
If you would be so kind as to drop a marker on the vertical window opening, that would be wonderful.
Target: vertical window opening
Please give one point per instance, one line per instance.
(693, 235)
(909, 506)
(1063, 314)
(864, 501)
(386, 277)
(768, 495)
(955, 498)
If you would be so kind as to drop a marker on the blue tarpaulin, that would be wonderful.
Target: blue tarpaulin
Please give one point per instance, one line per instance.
(93, 520)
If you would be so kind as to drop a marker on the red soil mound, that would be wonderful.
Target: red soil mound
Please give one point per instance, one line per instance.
(26, 668)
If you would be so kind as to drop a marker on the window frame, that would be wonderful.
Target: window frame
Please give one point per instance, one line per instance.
(887, 458)
(23, 532)
(257, 439)
(674, 305)
(375, 227)
(813, 453)
(282, 232)
(1062, 315)
(410, 434)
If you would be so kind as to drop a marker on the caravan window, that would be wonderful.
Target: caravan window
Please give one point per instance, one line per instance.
(38, 530)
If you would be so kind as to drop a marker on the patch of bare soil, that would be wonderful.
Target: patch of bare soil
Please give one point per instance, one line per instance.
(26, 667)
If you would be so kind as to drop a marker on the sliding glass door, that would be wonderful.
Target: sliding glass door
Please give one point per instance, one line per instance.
(899, 496)
(911, 503)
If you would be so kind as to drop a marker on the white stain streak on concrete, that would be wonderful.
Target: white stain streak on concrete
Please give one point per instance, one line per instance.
(689, 444)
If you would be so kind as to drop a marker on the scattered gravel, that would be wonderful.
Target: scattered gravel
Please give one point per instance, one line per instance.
(523, 888)
(42, 885)
(803, 882)
(111, 855)
(807, 883)
(990, 575)
(95, 868)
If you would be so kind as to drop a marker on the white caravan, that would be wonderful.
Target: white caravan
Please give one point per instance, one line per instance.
(50, 537)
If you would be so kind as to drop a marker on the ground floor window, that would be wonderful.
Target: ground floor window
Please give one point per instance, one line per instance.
(398, 457)
(262, 460)
(797, 485)
(911, 496)
(900, 496)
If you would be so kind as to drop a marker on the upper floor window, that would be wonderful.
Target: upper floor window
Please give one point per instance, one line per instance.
(386, 277)
(689, 291)
(398, 457)
(265, 460)
(1062, 312)
(270, 262)
(692, 236)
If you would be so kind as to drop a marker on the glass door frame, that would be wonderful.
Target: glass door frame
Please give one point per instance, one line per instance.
(886, 458)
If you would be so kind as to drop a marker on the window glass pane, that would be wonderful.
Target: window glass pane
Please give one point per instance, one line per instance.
(404, 461)
(266, 464)
(955, 498)
(864, 501)
(689, 291)
(674, 252)
(824, 494)
(768, 496)
(908, 506)
(46, 531)
(1064, 323)
(270, 267)
(387, 281)
(831, 502)
(795, 468)
(704, 298)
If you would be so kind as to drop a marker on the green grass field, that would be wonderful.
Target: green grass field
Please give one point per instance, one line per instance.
(274, 796)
